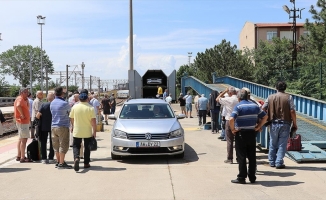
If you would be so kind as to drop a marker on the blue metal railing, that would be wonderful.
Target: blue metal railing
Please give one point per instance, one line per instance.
(197, 85)
(305, 105)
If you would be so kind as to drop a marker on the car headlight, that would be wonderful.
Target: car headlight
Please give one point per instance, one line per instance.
(119, 134)
(176, 133)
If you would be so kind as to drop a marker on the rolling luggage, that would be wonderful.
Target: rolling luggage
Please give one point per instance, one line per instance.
(33, 150)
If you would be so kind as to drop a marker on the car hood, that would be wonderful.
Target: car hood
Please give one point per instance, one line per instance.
(147, 125)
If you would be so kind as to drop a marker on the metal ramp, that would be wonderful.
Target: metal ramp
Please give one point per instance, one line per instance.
(311, 152)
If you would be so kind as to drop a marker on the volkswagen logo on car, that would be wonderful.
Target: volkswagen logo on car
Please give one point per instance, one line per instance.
(148, 136)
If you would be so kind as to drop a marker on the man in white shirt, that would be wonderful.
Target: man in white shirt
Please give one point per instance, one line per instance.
(229, 103)
(188, 99)
(37, 103)
(96, 105)
(169, 99)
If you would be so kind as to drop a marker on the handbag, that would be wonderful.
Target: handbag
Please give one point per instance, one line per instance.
(93, 144)
(294, 143)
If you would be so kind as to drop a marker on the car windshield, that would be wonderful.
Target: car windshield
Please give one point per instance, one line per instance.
(146, 111)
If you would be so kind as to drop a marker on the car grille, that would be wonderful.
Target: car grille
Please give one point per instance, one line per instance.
(156, 136)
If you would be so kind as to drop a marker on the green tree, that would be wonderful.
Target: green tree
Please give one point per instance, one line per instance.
(4, 87)
(224, 59)
(16, 62)
(273, 61)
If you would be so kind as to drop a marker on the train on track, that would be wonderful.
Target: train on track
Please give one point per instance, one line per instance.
(7, 101)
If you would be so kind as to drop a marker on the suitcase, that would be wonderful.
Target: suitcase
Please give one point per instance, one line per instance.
(33, 151)
(294, 143)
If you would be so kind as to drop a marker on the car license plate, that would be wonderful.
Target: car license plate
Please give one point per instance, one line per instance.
(147, 144)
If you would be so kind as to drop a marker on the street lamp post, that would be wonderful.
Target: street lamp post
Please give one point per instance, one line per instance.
(67, 81)
(90, 83)
(41, 21)
(294, 29)
(0, 37)
(83, 75)
(189, 55)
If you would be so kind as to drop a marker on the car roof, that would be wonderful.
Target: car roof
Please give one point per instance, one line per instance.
(139, 101)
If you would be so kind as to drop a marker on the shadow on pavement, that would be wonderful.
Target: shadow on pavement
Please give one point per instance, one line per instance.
(100, 168)
(280, 174)
(190, 156)
(8, 170)
(278, 183)
(101, 159)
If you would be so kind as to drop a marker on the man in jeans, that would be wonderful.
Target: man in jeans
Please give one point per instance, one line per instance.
(229, 104)
(60, 127)
(281, 112)
(45, 118)
(82, 117)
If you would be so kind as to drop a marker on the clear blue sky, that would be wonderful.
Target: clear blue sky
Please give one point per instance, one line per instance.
(96, 32)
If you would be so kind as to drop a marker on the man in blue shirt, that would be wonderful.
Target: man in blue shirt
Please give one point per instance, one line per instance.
(60, 127)
(202, 109)
(243, 124)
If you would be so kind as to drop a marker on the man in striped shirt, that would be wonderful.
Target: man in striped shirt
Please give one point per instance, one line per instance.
(243, 124)
(60, 127)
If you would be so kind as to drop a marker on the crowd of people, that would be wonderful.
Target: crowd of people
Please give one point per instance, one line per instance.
(242, 118)
(65, 123)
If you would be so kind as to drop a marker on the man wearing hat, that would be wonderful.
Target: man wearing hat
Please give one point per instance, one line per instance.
(83, 120)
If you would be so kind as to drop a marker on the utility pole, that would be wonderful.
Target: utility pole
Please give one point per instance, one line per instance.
(189, 55)
(321, 80)
(294, 30)
(99, 86)
(90, 83)
(67, 81)
(83, 75)
(131, 39)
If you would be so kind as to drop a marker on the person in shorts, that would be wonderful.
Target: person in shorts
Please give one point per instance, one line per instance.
(182, 104)
(21, 114)
(106, 108)
(60, 127)
(188, 99)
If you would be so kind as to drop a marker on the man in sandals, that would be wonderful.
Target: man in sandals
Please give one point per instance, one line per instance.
(60, 127)
(83, 121)
(21, 113)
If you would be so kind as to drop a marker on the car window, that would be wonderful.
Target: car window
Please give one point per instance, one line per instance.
(146, 111)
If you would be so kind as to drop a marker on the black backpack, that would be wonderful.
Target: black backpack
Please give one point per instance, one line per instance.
(33, 150)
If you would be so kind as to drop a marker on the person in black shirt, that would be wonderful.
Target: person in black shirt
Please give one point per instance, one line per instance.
(106, 108)
(45, 119)
(182, 104)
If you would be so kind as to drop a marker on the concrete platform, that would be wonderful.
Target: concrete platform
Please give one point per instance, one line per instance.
(202, 174)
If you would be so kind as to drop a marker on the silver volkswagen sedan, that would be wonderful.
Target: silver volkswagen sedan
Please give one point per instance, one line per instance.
(146, 127)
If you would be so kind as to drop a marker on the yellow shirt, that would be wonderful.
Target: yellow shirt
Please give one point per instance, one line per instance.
(159, 90)
(82, 113)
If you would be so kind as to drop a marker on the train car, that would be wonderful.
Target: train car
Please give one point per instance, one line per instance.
(7, 101)
(122, 94)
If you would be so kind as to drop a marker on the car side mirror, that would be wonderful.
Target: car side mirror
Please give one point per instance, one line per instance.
(112, 117)
(181, 116)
